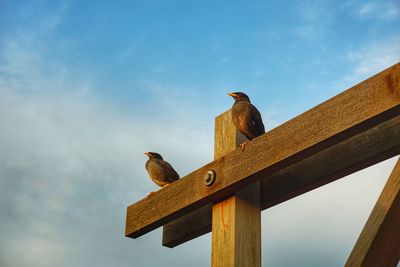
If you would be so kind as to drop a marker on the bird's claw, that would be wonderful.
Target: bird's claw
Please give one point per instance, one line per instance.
(243, 146)
(150, 193)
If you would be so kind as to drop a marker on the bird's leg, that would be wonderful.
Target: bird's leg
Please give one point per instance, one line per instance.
(155, 192)
(243, 145)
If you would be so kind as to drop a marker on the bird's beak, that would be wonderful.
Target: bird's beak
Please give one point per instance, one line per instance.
(147, 154)
(232, 95)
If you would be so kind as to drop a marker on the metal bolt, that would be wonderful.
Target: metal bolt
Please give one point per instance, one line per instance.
(209, 178)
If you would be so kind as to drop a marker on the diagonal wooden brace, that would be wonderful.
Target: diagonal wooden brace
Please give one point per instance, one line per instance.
(379, 241)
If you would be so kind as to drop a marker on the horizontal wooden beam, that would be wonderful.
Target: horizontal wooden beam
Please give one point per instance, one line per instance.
(356, 153)
(361, 107)
(379, 241)
(360, 151)
(188, 227)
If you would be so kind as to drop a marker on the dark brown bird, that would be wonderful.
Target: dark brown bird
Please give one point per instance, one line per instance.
(246, 117)
(160, 171)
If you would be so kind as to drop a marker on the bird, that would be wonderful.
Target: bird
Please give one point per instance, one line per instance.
(246, 117)
(160, 171)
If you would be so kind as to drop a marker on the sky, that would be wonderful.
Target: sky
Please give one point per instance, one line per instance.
(87, 86)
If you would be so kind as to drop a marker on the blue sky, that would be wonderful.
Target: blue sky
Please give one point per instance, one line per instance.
(86, 87)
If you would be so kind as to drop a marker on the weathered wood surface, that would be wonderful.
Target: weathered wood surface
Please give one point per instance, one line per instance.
(226, 137)
(362, 107)
(379, 241)
(187, 227)
(362, 150)
(236, 221)
(236, 229)
(356, 153)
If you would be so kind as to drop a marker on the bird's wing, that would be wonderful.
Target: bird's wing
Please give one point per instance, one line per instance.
(175, 176)
(172, 174)
(257, 120)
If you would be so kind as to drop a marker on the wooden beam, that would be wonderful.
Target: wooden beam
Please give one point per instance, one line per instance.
(187, 227)
(236, 221)
(362, 150)
(356, 153)
(362, 107)
(379, 241)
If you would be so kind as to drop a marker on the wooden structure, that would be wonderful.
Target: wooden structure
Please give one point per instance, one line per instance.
(349, 132)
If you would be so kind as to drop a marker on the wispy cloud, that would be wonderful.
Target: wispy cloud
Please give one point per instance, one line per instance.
(66, 165)
(379, 9)
(70, 164)
(371, 59)
(314, 19)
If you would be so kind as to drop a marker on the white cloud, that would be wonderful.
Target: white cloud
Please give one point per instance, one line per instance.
(70, 161)
(71, 164)
(314, 19)
(371, 59)
(379, 9)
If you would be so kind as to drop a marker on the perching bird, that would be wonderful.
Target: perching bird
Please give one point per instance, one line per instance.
(246, 117)
(160, 171)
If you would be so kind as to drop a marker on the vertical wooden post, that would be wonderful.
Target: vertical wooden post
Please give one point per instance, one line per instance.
(236, 221)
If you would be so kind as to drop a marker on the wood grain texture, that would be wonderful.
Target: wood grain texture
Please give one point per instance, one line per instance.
(354, 154)
(187, 227)
(379, 242)
(236, 229)
(360, 151)
(361, 107)
(236, 221)
(226, 137)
